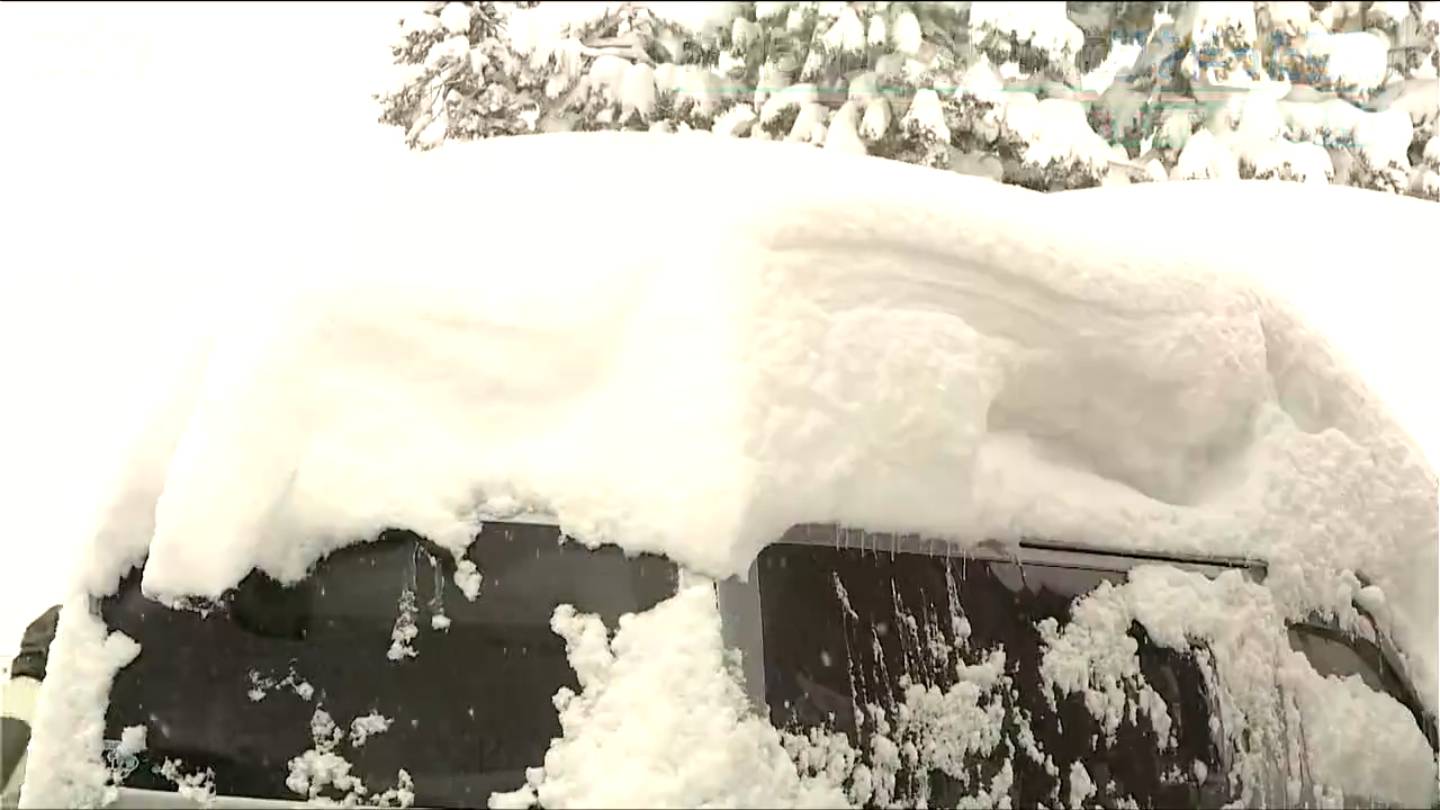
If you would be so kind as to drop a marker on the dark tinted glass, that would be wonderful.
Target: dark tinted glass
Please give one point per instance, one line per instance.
(470, 711)
(825, 661)
(1333, 652)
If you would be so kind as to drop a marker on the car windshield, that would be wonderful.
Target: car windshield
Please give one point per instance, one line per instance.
(380, 659)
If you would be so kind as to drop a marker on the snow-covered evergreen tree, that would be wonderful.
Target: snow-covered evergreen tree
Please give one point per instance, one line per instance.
(1047, 95)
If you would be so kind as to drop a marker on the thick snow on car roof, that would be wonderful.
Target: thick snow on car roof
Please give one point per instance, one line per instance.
(686, 344)
(1355, 266)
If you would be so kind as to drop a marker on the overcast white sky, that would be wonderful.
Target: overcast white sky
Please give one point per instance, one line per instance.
(139, 144)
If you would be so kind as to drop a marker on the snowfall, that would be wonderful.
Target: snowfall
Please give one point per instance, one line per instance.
(686, 344)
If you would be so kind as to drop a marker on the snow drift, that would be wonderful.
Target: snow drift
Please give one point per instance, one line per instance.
(617, 330)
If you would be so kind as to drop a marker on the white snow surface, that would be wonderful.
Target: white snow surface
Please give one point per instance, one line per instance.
(541, 30)
(1081, 786)
(1355, 59)
(1055, 131)
(323, 769)
(1118, 62)
(869, 343)
(1301, 161)
(456, 17)
(1394, 763)
(702, 17)
(196, 786)
(843, 132)
(905, 33)
(1209, 19)
(132, 741)
(1290, 16)
(847, 33)
(364, 727)
(926, 116)
(1044, 25)
(660, 720)
(65, 765)
(1206, 157)
(545, 28)
(1340, 736)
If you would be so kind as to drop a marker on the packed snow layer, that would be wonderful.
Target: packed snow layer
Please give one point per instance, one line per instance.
(132, 741)
(323, 769)
(548, 28)
(1045, 26)
(661, 721)
(1205, 157)
(1357, 59)
(1394, 762)
(1054, 131)
(1118, 62)
(1290, 16)
(869, 343)
(701, 18)
(544, 28)
(65, 765)
(196, 786)
(1329, 735)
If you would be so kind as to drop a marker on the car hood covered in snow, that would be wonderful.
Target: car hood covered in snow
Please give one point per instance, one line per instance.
(686, 345)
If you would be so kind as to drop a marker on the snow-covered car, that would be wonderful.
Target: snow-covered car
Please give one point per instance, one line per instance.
(885, 487)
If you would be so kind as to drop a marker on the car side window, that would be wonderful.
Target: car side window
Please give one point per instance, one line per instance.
(941, 656)
(379, 641)
(1332, 651)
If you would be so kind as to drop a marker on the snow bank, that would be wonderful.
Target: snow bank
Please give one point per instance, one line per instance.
(879, 345)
